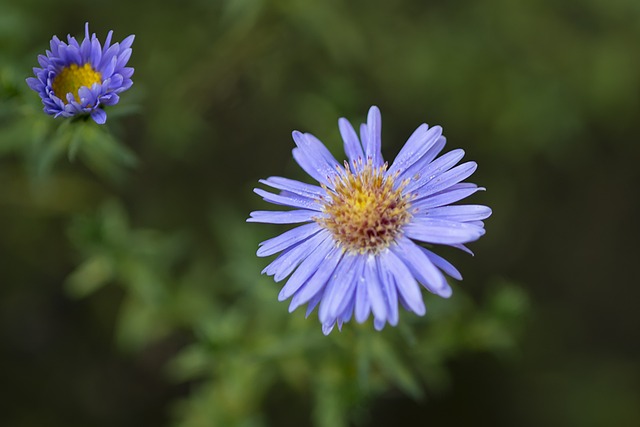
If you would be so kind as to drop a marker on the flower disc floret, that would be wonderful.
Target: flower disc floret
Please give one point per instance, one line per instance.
(365, 212)
(72, 78)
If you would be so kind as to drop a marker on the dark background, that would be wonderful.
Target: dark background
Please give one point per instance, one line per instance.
(544, 95)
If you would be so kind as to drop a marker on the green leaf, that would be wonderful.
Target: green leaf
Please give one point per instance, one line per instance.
(89, 276)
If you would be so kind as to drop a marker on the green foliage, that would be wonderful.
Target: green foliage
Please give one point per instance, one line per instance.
(246, 344)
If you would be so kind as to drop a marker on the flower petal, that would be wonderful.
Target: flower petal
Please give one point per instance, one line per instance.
(447, 179)
(282, 217)
(373, 144)
(289, 259)
(317, 282)
(35, 84)
(452, 194)
(421, 267)
(296, 187)
(287, 239)
(363, 302)
(315, 156)
(352, 146)
(390, 292)
(340, 285)
(375, 290)
(127, 42)
(434, 169)
(289, 199)
(99, 116)
(306, 269)
(462, 213)
(440, 231)
(418, 144)
(442, 264)
(109, 99)
(404, 281)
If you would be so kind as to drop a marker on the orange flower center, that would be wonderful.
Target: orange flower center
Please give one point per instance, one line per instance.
(365, 213)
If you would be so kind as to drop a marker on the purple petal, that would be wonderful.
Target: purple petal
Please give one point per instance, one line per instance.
(442, 264)
(282, 217)
(116, 81)
(315, 146)
(435, 168)
(375, 291)
(127, 42)
(289, 200)
(416, 147)
(123, 58)
(461, 213)
(373, 143)
(99, 116)
(447, 179)
(340, 286)
(85, 48)
(73, 42)
(346, 310)
(421, 267)
(73, 54)
(95, 54)
(86, 96)
(287, 239)
(107, 42)
(109, 69)
(126, 84)
(363, 303)
(316, 169)
(110, 99)
(43, 61)
(108, 57)
(127, 72)
(289, 259)
(416, 170)
(296, 187)
(390, 292)
(327, 328)
(35, 84)
(463, 248)
(55, 45)
(378, 324)
(306, 269)
(317, 282)
(451, 195)
(352, 146)
(405, 282)
(313, 303)
(440, 231)
(316, 154)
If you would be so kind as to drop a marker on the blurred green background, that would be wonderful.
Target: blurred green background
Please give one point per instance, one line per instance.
(130, 294)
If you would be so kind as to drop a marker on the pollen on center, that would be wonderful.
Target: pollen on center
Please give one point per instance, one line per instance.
(72, 78)
(364, 212)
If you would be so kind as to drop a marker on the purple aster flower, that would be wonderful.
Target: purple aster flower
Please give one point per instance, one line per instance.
(360, 248)
(81, 78)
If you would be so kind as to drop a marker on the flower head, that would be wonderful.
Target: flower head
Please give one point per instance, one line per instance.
(81, 78)
(360, 248)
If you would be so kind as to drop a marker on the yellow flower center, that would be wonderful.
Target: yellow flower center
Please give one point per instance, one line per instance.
(72, 78)
(365, 213)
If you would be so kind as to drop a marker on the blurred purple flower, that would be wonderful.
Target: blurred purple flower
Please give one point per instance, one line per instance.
(357, 252)
(81, 78)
